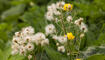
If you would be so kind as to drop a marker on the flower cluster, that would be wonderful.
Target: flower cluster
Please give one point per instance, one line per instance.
(53, 10)
(75, 29)
(25, 40)
(67, 36)
(50, 29)
(79, 22)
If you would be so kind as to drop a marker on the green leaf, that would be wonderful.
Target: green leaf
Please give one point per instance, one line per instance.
(54, 55)
(13, 11)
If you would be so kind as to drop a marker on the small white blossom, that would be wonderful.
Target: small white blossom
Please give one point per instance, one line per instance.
(62, 39)
(27, 30)
(61, 49)
(57, 44)
(82, 35)
(60, 4)
(50, 29)
(45, 42)
(14, 52)
(15, 40)
(29, 57)
(17, 34)
(22, 51)
(30, 47)
(78, 22)
(28, 38)
(40, 36)
(55, 37)
(83, 27)
(68, 53)
(69, 18)
(49, 15)
(57, 12)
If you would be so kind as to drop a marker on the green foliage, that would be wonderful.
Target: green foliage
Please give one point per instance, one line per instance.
(54, 55)
(97, 57)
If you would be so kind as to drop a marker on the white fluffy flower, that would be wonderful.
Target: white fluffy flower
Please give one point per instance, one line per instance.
(40, 35)
(68, 53)
(49, 15)
(57, 12)
(62, 39)
(57, 44)
(61, 49)
(50, 29)
(30, 47)
(22, 51)
(83, 27)
(28, 38)
(45, 42)
(15, 46)
(28, 30)
(60, 4)
(14, 52)
(15, 40)
(17, 34)
(69, 18)
(29, 57)
(78, 22)
(82, 35)
(52, 7)
(55, 37)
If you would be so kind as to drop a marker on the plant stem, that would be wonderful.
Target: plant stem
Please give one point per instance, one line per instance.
(62, 22)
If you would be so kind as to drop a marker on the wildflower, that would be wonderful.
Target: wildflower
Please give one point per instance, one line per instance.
(15, 46)
(14, 52)
(45, 42)
(31, 3)
(15, 40)
(22, 51)
(57, 44)
(69, 18)
(17, 34)
(61, 49)
(40, 36)
(29, 57)
(49, 15)
(78, 22)
(83, 27)
(62, 39)
(30, 47)
(60, 4)
(55, 37)
(28, 39)
(50, 29)
(28, 30)
(68, 7)
(78, 59)
(82, 35)
(68, 53)
(70, 36)
(57, 12)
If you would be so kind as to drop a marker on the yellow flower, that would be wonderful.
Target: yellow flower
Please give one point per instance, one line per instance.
(70, 36)
(68, 7)
(78, 59)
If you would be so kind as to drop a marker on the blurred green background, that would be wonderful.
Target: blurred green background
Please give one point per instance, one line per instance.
(15, 14)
